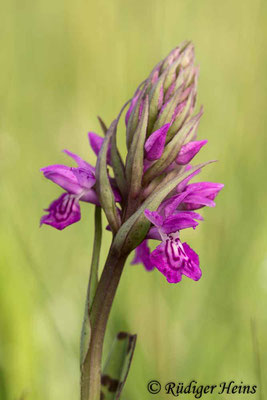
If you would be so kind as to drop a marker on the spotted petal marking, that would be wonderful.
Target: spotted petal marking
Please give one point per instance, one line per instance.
(174, 259)
(62, 212)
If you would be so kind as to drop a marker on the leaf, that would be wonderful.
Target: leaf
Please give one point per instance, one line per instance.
(135, 157)
(118, 167)
(92, 286)
(117, 366)
(154, 97)
(103, 125)
(134, 230)
(103, 187)
(116, 161)
(134, 117)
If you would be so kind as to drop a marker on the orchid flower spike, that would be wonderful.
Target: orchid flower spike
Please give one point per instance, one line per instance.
(149, 196)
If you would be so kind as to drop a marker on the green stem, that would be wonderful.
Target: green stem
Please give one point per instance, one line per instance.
(92, 285)
(105, 293)
(93, 281)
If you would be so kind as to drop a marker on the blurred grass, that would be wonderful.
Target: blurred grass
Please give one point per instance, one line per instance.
(63, 63)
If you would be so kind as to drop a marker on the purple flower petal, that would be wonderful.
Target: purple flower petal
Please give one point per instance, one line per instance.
(168, 206)
(192, 213)
(96, 142)
(178, 222)
(153, 233)
(188, 151)
(80, 162)
(168, 260)
(154, 145)
(182, 185)
(90, 196)
(191, 269)
(62, 176)
(194, 202)
(85, 178)
(166, 265)
(173, 260)
(62, 212)
(200, 194)
(154, 217)
(208, 189)
(142, 255)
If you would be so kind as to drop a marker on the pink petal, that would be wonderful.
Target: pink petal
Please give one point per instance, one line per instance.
(154, 217)
(85, 178)
(62, 212)
(174, 259)
(62, 176)
(188, 151)
(191, 268)
(142, 255)
(154, 145)
(96, 143)
(178, 222)
(80, 162)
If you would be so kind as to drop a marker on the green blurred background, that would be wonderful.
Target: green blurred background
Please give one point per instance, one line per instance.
(63, 63)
